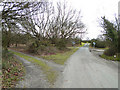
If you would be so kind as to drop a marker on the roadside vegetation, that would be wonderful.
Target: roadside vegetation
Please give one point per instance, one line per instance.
(115, 58)
(52, 53)
(110, 40)
(99, 48)
(61, 57)
(112, 35)
(12, 70)
(101, 44)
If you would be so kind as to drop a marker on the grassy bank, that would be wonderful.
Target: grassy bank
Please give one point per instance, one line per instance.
(60, 58)
(111, 57)
(51, 75)
(12, 70)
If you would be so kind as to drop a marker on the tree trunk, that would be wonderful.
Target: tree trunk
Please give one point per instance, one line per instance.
(16, 45)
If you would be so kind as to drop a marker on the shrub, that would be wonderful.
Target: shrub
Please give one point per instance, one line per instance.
(6, 54)
(40, 49)
(45, 43)
(36, 46)
(110, 52)
(61, 44)
(100, 44)
(50, 50)
(32, 48)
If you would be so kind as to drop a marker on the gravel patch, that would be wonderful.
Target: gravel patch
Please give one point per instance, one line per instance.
(34, 77)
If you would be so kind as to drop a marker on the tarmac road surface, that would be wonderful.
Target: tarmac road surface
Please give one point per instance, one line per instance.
(84, 70)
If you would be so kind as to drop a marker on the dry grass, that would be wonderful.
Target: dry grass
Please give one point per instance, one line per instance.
(60, 58)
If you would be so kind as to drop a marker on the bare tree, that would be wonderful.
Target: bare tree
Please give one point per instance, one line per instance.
(66, 22)
(54, 23)
(42, 20)
(13, 13)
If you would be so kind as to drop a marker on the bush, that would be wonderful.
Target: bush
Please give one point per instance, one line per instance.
(36, 49)
(61, 44)
(6, 54)
(32, 48)
(100, 44)
(110, 52)
(41, 47)
(36, 46)
(50, 50)
(45, 43)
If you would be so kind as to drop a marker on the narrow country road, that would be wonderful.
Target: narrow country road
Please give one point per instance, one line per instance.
(85, 70)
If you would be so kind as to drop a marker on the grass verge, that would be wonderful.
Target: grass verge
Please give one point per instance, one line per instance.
(12, 71)
(82, 44)
(51, 75)
(110, 57)
(99, 48)
(60, 58)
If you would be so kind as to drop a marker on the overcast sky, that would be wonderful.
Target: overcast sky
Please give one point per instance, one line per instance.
(92, 10)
